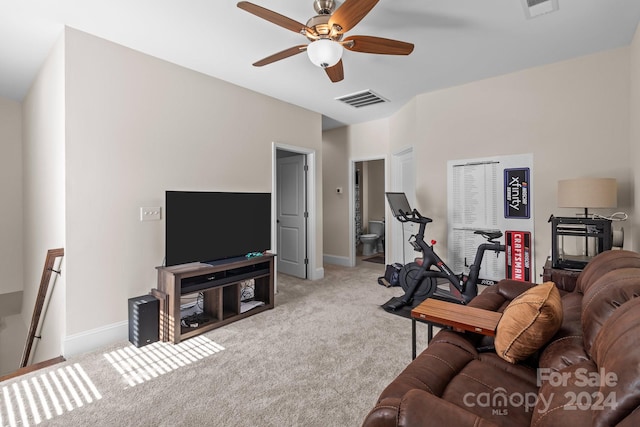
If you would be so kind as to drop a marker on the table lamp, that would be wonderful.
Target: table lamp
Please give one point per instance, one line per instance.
(588, 193)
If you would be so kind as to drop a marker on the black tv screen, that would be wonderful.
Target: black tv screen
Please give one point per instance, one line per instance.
(209, 226)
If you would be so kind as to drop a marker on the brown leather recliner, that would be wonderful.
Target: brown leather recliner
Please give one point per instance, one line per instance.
(587, 374)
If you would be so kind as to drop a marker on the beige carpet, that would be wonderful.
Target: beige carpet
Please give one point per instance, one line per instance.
(321, 357)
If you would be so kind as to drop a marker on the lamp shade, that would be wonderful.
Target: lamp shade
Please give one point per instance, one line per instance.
(324, 53)
(588, 193)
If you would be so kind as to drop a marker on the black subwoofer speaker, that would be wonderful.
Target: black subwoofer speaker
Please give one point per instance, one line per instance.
(144, 313)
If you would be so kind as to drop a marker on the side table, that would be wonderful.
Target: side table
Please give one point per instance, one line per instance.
(456, 316)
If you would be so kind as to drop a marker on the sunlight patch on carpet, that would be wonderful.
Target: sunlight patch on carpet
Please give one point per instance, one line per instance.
(137, 365)
(25, 402)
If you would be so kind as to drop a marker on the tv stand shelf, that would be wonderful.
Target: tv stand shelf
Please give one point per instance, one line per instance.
(221, 285)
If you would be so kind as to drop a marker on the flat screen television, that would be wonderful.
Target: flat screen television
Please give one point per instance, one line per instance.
(206, 226)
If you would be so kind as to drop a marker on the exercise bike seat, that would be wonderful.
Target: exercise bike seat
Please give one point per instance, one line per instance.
(489, 235)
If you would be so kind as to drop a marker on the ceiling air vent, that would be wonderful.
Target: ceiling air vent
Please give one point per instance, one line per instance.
(534, 8)
(362, 99)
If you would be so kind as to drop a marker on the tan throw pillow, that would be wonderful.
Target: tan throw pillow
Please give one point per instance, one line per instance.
(528, 322)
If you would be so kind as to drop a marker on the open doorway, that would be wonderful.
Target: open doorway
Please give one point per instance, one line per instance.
(368, 236)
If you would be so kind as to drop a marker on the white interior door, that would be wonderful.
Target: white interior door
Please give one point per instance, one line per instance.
(404, 180)
(291, 215)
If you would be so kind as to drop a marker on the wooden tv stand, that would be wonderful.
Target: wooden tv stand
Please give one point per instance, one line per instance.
(220, 284)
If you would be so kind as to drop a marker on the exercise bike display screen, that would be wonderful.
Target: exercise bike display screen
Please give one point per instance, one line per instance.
(398, 202)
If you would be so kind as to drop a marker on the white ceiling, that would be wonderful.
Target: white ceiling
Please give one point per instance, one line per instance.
(456, 41)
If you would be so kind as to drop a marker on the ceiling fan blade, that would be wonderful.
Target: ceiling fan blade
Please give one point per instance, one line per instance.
(274, 17)
(335, 73)
(281, 55)
(379, 45)
(350, 13)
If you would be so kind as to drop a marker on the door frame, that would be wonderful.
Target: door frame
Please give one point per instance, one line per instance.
(397, 229)
(314, 272)
(352, 204)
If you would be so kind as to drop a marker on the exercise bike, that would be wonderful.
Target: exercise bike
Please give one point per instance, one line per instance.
(419, 279)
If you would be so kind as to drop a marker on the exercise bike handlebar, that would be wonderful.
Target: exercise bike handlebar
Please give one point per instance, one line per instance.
(414, 216)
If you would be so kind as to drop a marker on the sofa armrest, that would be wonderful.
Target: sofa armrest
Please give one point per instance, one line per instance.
(511, 289)
(498, 296)
(419, 408)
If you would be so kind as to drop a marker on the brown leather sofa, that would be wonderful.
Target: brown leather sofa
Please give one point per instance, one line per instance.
(588, 374)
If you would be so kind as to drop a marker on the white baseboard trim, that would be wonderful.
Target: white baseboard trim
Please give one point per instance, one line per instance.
(93, 339)
(317, 274)
(337, 260)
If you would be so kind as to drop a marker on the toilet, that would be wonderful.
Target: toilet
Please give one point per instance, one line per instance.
(372, 243)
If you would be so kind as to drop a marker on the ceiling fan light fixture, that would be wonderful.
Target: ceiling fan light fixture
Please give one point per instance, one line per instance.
(325, 32)
(324, 53)
(324, 7)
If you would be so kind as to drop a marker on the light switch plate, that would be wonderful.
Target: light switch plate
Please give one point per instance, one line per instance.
(150, 213)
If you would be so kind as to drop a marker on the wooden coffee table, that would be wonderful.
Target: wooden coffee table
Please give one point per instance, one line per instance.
(456, 316)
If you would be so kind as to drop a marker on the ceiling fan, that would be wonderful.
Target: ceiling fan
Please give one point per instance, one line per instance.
(326, 31)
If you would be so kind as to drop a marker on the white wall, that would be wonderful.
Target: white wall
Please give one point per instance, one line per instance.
(336, 205)
(43, 112)
(573, 116)
(136, 127)
(368, 140)
(12, 328)
(11, 196)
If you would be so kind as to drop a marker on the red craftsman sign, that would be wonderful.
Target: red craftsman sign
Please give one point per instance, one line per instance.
(518, 256)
